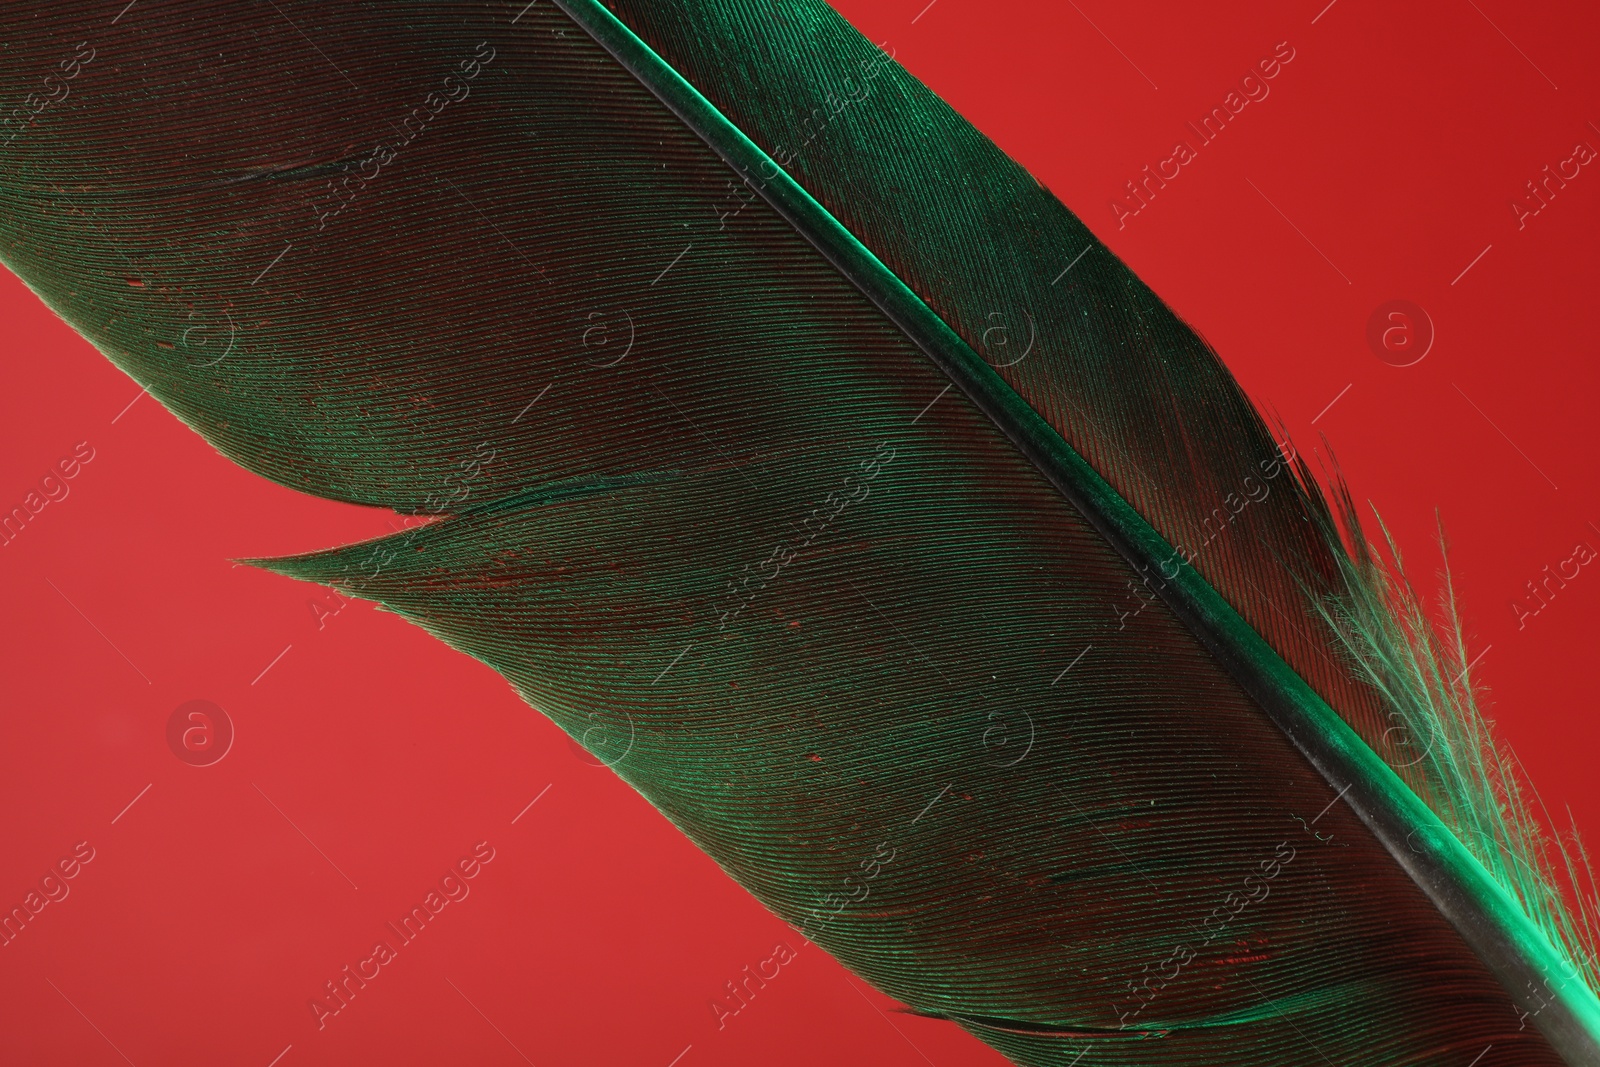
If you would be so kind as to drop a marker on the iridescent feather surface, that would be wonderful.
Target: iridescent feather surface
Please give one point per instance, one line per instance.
(790, 446)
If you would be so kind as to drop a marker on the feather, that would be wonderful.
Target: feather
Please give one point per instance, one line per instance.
(795, 451)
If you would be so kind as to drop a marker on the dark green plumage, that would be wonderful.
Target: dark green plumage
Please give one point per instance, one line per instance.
(888, 649)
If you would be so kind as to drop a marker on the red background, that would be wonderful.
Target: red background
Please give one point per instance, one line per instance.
(1383, 162)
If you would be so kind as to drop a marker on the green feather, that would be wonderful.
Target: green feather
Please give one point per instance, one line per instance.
(795, 451)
